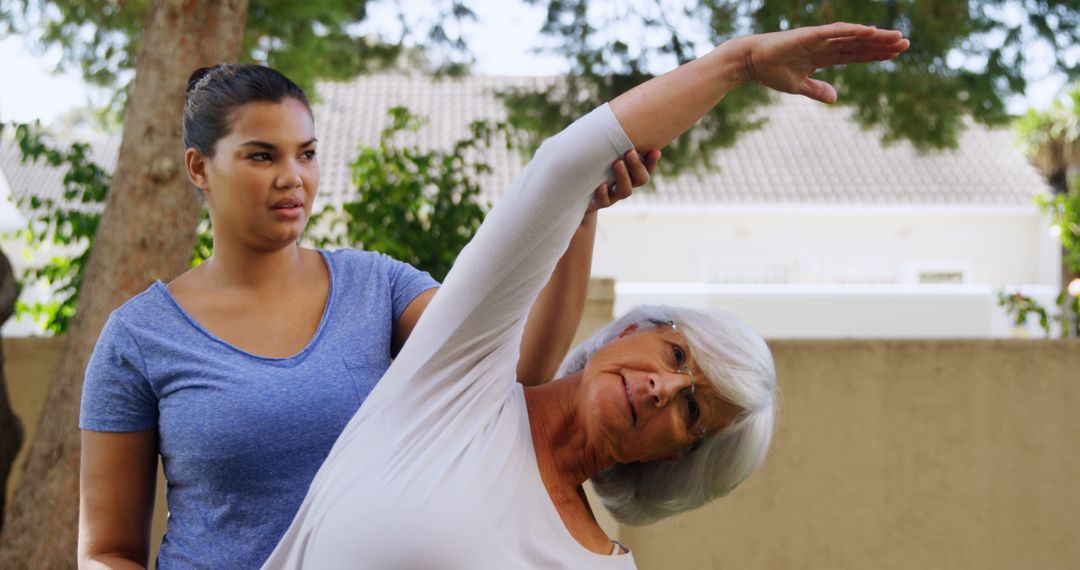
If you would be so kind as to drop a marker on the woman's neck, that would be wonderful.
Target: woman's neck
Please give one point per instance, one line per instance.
(237, 266)
(564, 448)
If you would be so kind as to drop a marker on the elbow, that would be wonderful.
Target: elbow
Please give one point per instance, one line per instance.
(112, 561)
(99, 555)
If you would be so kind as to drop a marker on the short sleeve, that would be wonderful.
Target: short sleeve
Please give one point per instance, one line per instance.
(406, 282)
(117, 394)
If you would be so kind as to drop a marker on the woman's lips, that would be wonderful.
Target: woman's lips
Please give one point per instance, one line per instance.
(289, 202)
(630, 402)
(289, 213)
(288, 208)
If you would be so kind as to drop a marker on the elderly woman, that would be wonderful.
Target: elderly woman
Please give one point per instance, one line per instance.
(454, 464)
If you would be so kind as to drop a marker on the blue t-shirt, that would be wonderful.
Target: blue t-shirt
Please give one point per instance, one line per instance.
(242, 436)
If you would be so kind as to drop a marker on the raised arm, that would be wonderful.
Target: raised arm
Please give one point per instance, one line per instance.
(557, 312)
(657, 111)
(489, 291)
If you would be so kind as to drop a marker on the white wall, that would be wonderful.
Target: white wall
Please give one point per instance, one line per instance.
(833, 271)
(849, 311)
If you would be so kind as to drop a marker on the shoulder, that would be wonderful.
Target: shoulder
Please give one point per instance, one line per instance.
(139, 315)
(149, 321)
(144, 308)
(353, 261)
(349, 257)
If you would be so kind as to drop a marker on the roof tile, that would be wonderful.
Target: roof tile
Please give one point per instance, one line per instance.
(804, 153)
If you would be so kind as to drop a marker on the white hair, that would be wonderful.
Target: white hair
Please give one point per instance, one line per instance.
(739, 364)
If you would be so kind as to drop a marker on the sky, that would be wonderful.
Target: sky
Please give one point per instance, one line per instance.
(499, 45)
(502, 45)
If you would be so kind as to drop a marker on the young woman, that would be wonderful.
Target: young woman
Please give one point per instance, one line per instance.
(451, 464)
(242, 372)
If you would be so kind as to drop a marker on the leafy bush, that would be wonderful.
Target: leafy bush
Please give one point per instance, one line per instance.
(420, 207)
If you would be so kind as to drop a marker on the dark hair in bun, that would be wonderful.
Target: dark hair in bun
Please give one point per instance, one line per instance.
(213, 93)
(192, 81)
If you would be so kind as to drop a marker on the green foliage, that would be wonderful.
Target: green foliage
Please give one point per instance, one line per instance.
(70, 223)
(610, 51)
(1051, 139)
(204, 239)
(966, 58)
(307, 41)
(418, 206)
(1019, 306)
(310, 40)
(1064, 210)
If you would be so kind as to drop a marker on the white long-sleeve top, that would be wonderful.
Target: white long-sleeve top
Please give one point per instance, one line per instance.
(437, 469)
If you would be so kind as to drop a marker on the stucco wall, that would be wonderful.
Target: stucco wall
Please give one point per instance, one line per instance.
(29, 364)
(902, 454)
(889, 454)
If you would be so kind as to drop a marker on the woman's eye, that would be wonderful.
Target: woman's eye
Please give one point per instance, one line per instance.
(680, 355)
(260, 157)
(693, 411)
(309, 154)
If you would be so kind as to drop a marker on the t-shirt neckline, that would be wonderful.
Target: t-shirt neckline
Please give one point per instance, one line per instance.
(163, 289)
(549, 507)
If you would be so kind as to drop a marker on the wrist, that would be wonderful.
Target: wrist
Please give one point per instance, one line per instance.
(589, 221)
(733, 62)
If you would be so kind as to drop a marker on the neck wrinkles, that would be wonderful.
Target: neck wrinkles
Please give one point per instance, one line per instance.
(563, 445)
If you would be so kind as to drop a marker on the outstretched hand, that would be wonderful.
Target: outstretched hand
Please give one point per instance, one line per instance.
(786, 61)
(631, 171)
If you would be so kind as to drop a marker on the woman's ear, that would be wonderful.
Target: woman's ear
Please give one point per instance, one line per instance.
(630, 329)
(196, 169)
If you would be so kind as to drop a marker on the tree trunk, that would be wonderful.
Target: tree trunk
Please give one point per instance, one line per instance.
(11, 429)
(146, 233)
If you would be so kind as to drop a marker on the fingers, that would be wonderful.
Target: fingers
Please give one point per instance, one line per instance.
(630, 172)
(849, 43)
(852, 43)
(844, 58)
(624, 183)
(651, 160)
(818, 90)
(601, 198)
(639, 174)
(863, 33)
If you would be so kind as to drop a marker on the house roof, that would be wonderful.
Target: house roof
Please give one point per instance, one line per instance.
(27, 179)
(806, 152)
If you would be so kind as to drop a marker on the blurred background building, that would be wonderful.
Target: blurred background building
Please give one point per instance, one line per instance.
(809, 227)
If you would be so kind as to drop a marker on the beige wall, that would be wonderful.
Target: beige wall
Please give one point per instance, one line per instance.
(29, 364)
(904, 454)
(889, 454)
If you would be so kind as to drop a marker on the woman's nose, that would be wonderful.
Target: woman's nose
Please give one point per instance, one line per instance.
(665, 385)
(289, 176)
